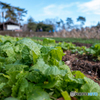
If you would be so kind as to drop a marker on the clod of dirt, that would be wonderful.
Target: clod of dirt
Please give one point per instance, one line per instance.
(67, 62)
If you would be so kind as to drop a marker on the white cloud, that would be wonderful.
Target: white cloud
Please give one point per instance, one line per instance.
(48, 10)
(57, 10)
(91, 7)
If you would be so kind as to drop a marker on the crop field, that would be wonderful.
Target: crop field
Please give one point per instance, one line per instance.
(74, 40)
(32, 69)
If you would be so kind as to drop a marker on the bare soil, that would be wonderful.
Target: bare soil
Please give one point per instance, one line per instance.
(82, 44)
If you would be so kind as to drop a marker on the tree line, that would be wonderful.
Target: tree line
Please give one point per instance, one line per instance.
(41, 26)
(16, 14)
(53, 24)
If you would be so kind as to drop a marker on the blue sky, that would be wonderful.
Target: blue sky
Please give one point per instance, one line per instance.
(61, 9)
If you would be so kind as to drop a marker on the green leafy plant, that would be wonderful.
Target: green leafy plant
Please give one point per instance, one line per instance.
(31, 71)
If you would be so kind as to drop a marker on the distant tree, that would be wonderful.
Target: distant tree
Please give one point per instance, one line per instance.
(48, 21)
(3, 8)
(12, 13)
(58, 23)
(45, 27)
(69, 22)
(52, 21)
(82, 20)
(4, 5)
(62, 22)
(98, 25)
(40, 25)
(20, 13)
(31, 24)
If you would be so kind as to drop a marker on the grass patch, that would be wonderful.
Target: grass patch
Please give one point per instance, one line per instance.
(80, 40)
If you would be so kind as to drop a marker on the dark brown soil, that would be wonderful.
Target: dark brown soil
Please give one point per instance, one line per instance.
(90, 68)
(82, 44)
(79, 44)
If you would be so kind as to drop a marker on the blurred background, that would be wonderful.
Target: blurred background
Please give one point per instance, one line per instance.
(72, 18)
